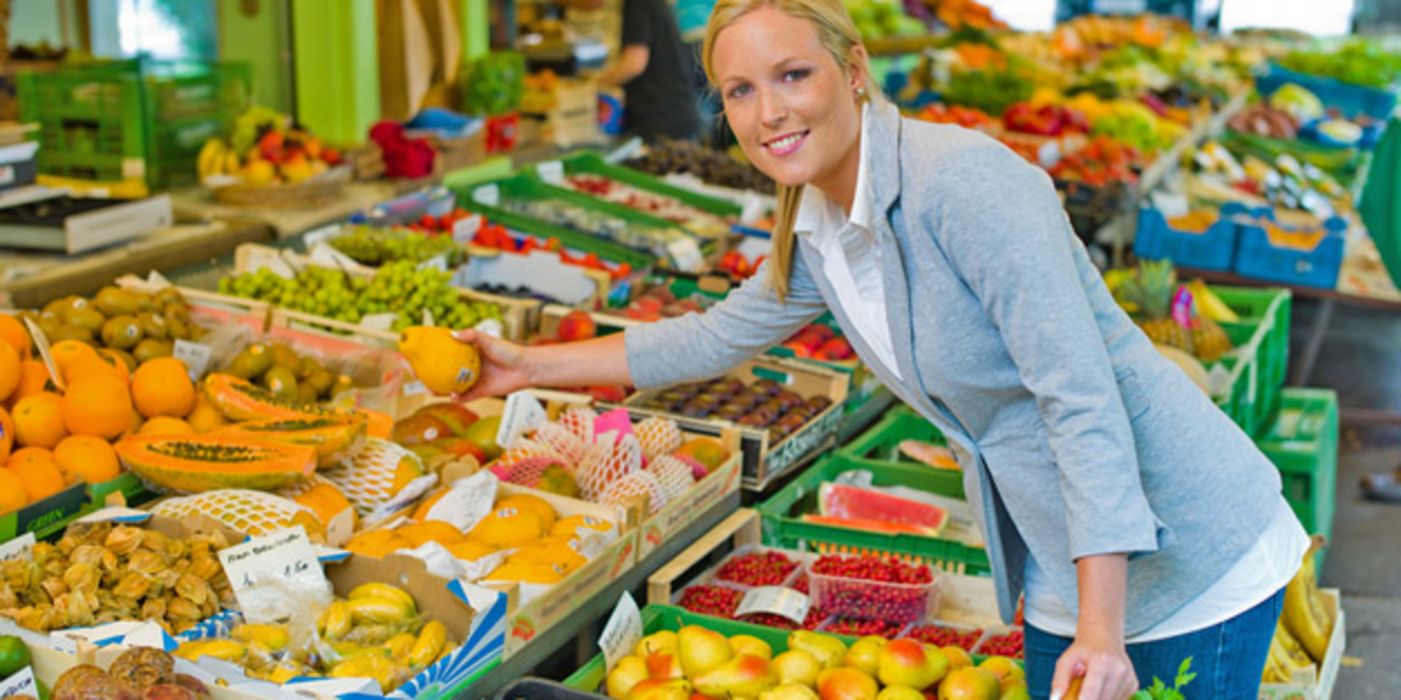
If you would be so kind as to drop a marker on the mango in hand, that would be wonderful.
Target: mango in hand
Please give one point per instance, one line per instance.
(444, 364)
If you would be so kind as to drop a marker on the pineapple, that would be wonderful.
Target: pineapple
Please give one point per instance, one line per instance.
(1151, 291)
(1209, 339)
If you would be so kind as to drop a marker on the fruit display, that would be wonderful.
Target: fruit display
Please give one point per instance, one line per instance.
(878, 19)
(698, 660)
(649, 239)
(132, 325)
(1264, 120)
(1168, 313)
(739, 266)
(958, 14)
(373, 246)
(277, 367)
(446, 431)
(761, 404)
(656, 204)
(106, 572)
(820, 341)
(139, 672)
(610, 460)
(497, 237)
(870, 587)
(966, 117)
(401, 288)
(1358, 62)
(375, 632)
(659, 301)
(265, 148)
(709, 165)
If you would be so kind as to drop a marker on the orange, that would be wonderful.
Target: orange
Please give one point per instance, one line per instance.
(377, 543)
(421, 512)
(39, 420)
(165, 425)
(7, 435)
(35, 467)
(12, 494)
(86, 458)
(12, 333)
(10, 370)
(206, 416)
(119, 358)
(162, 387)
(64, 352)
(84, 365)
(33, 376)
(97, 404)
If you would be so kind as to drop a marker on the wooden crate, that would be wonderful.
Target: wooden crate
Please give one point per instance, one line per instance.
(1316, 683)
(517, 315)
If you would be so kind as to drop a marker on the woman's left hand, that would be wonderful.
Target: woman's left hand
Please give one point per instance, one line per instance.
(1104, 664)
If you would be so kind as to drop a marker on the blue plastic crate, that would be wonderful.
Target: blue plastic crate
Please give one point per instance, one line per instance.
(1257, 257)
(1350, 99)
(1212, 249)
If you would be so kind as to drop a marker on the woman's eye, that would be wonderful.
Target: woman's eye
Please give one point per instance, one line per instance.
(738, 91)
(795, 75)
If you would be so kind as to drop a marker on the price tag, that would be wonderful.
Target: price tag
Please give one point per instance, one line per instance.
(686, 255)
(427, 317)
(41, 343)
(464, 230)
(437, 262)
(551, 171)
(325, 233)
(17, 548)
(1171, 205)
(20, 683)
(194, 355)
(414, 388)
(776, 600)
(263, 570)
(403, 499)
(623, 631)
(489, 195)
(523, 413)
(379, 322)
(467, 502)
(616, 421)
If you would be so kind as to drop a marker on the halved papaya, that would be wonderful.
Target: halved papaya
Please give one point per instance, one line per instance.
(195, 463)
(331, 436)
(241, 400)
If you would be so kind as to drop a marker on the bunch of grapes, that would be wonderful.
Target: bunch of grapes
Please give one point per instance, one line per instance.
(398, 287)
(376, 246)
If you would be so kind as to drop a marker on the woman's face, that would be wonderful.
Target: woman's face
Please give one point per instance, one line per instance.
(791, 106)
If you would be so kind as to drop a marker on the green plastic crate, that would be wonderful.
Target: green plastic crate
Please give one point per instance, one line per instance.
(1303, 443)
(138, 118)
(589, 162)
(881, 442)
(783, 525)
(1264, 313)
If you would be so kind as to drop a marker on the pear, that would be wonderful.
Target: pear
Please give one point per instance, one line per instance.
(906, 662)
(629, 671)
(701, 650)
(899, 692)
(865, 654)
(749, 644)
(846, 684)
(664, 640)
(658, 689)
(1014, 691)
(958, 656)
(796, 666)
(790, 691)
(663, 664)
(742, 675)
(444, 364)
(972, 684)
(825, 648)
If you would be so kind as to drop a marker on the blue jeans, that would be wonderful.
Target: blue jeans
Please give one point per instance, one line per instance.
(1228, 658)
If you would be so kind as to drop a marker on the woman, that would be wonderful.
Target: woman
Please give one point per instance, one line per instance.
(1141, 524)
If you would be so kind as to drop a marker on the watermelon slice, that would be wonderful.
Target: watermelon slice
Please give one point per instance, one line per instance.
(846, 502)
(870, 525)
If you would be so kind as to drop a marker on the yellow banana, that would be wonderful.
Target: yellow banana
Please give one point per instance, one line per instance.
(211, 158)
(379, 610)
(269, 637)
(225, 649)
(1306, 615)
(231, 164)
(431, 640)
(335, 621)
(382, 590)
(382, 669)
(1210, 304)
(286, 671)
(350, 650)
(1295, 655)
(400, 645)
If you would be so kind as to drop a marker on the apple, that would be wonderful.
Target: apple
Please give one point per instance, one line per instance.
(420, 428)
(576, 325)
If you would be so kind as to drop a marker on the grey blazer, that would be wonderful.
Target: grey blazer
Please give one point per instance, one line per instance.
(1075, 436)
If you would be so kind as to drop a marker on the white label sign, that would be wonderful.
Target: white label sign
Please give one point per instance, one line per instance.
(523, 413)
(41, 343)
(551, 171)
(379, 322)
(194, 355)
(265, 569)
(466, 502)
(490, 195)
(403, 499)
(21, 683)
(437, 262)
(623, 631)
(464, 230)
(325, 233)
(17, 548)
(686, 255)
(777, 600)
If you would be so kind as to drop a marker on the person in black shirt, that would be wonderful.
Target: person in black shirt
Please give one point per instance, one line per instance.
(656, 73)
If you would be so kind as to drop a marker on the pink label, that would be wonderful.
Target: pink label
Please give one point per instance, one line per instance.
(616, 420)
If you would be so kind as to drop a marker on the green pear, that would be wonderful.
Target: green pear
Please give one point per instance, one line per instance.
(865, 654)
(790, 691)
(796, 666)
(628, 672)
(701, 650)
(824, 647)
(742, 675)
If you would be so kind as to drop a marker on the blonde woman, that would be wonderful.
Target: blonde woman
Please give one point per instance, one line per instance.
(1141, 526)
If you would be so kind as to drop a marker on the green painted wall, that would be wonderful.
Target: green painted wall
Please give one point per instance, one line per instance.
(33, 21)
(264, 43)
(476, 28)
(337, 67)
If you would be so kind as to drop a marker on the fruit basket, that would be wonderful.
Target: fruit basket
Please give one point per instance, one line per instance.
(773, 443)
(315, 191)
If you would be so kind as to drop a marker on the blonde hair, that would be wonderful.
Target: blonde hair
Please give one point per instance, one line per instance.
(838, 35)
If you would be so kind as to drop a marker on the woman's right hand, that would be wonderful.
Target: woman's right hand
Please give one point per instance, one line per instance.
(504, 369)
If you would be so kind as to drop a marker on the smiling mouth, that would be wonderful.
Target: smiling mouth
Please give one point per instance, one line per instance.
(786, 144)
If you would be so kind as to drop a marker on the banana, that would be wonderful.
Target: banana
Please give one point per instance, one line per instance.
(286, 671)
(335, 621)
(1210, 304)
(211, 158)
(400, 645)
(1306, 615)
(225, 649)
(231, 163)
(379, 610)
(381, 668)
(268, 637)
(382, 590)
(431, 640)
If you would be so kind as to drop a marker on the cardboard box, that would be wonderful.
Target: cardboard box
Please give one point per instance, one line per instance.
(1316, 683)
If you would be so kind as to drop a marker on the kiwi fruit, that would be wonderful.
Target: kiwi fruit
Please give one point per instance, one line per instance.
(250, 362)
(306, 393)
(170, 296)
(144, 301)
(86, 316)
(343, 382)
(280, 381)
(68, 331)
(124, 356)
(153, 325)
(308, 367)
(176, 327)
(121, 332)
(284, 356)
(151, 348)
(56, 308)
(115, 301)
(320, 380)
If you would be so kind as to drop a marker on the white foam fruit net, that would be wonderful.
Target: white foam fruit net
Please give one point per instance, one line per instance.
(672, 474)
(525, 471)
(659, 436)
(250, 512)
(566, 443)
(606, 463)
(579, 420)
(367, 478)
(637, 483)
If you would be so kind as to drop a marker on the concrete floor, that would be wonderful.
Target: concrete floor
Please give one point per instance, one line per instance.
(1360, 359)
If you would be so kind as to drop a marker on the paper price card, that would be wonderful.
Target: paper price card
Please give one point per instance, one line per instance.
(194, 355)
(623, 631)
(777, 600)
(17, 548)
(522, 414)
(20, 683)
(686, 254)
(551, 172)
(465, 229)
(275, 574)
